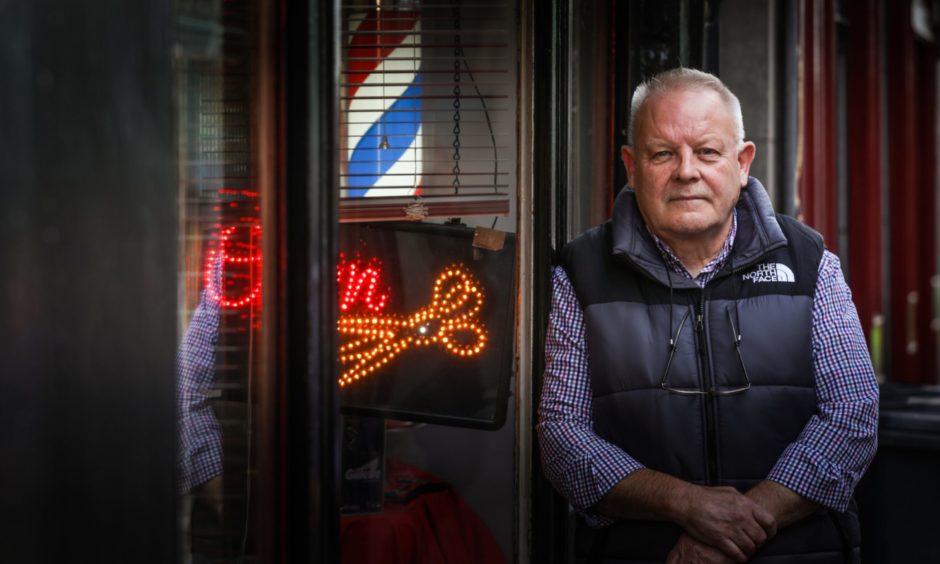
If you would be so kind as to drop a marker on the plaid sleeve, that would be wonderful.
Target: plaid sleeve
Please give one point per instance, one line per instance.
(199, 436)
(580, 464)
(835, 448)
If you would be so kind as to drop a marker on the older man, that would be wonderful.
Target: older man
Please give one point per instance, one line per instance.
(708, 395)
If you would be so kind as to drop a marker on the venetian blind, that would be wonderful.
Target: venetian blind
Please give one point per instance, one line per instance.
(428, 96)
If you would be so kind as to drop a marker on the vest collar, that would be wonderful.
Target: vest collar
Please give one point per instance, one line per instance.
(758, 234)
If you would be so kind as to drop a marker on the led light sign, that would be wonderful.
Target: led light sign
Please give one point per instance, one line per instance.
(360, 281)
(450, 321)
(226, 256)
(371, 338)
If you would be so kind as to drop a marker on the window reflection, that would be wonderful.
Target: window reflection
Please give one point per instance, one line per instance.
(220, 273)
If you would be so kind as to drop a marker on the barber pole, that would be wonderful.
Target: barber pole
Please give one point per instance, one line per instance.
(383, 114)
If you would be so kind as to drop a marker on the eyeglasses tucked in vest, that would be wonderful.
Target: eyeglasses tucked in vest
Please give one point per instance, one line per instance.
(715, 390)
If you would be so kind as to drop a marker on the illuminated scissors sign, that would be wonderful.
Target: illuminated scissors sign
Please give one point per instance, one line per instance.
(450, 321)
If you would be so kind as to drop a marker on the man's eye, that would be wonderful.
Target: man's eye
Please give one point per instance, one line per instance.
(709, 152)
(661, 154)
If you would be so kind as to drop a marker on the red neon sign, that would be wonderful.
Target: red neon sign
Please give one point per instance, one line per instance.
(360, 281)
(231, 254)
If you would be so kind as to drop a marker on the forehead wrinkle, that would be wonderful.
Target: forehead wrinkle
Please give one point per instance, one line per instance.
(658, 123)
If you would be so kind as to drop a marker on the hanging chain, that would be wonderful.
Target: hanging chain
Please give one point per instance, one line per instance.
(457, 55)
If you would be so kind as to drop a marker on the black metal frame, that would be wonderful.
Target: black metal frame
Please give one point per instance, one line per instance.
(549, 510)
(786, 22)
(308, 262)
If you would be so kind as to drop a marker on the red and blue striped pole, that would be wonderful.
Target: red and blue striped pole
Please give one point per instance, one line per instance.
(383, 112)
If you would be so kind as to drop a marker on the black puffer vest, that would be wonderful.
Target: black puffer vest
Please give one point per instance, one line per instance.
(634, 304)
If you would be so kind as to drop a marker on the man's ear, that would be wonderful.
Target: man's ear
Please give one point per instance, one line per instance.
(629, 161)
(745, 158)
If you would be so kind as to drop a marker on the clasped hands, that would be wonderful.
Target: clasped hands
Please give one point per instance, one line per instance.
(721, 525)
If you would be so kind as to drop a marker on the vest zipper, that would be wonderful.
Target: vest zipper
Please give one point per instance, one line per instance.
(711, 475)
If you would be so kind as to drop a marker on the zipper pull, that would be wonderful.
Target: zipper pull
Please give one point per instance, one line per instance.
(700, 330)
(700, 318)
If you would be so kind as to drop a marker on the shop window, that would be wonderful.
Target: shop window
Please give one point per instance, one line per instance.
(426, 292)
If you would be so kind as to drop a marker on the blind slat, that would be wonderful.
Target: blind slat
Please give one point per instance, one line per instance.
(428, 98)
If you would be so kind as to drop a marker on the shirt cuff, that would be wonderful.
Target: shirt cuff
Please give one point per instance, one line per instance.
(814, 477)
(200, 452)
(608, 469)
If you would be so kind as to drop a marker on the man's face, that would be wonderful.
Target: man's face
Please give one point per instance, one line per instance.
(685, 166)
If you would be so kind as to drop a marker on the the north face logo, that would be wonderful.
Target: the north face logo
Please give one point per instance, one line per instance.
(770, 272)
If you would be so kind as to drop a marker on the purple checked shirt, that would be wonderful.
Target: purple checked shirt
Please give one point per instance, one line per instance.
(199, 436)
(823, 464)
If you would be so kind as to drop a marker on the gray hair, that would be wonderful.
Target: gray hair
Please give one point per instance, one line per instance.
(686, 79)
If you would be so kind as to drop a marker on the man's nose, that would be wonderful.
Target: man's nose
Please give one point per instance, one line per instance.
(687, 167)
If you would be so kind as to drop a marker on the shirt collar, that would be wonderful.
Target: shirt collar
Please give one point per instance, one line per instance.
(713, 266)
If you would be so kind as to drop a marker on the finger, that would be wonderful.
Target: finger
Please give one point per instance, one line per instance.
(745, 543)
(766, 520)
(732, 551)
(709, 554)
(716, 557)
(756, 533)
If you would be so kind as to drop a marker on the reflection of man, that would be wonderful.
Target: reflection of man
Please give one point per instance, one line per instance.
(708, 395)
(199, 447)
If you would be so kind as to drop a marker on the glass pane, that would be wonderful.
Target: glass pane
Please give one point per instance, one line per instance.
(427, 308)
(220, 274)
